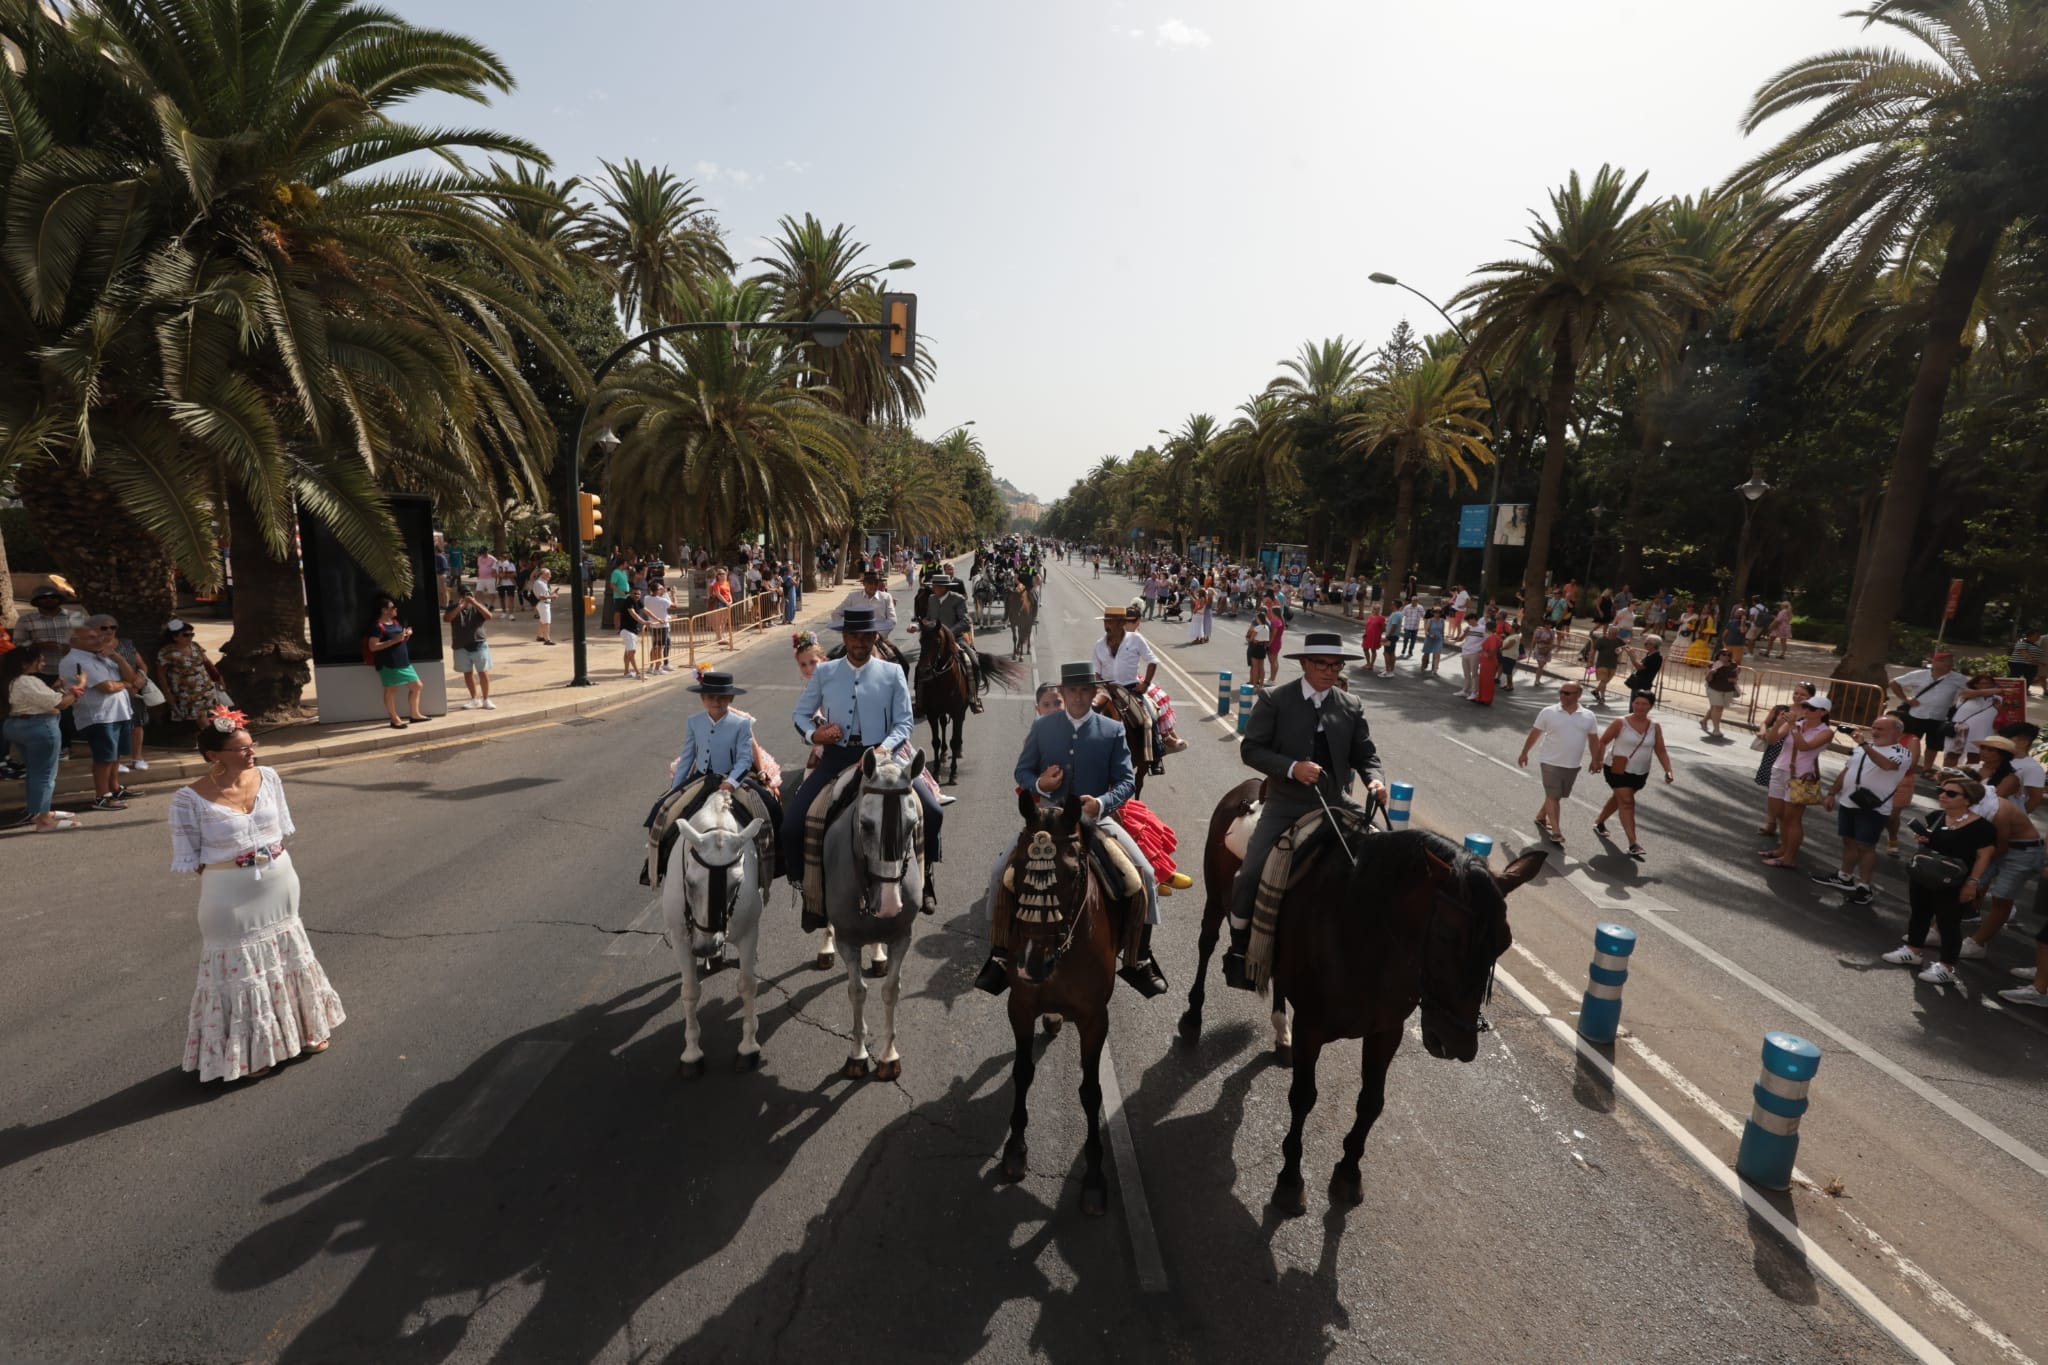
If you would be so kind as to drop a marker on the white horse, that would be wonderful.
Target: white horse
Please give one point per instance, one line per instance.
(710, 897)
(874, 956)
(874, 884)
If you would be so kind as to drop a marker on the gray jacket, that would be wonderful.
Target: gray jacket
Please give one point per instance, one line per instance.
(1282, 732)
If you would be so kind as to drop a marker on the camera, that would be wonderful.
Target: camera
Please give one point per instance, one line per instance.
(1845, 730)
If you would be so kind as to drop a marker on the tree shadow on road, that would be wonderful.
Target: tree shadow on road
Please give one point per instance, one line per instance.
(610, 1182)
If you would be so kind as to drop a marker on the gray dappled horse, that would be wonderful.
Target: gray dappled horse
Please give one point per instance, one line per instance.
(711, 896)
(874, 884)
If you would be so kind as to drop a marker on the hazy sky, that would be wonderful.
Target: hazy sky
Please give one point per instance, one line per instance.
(1123, 212)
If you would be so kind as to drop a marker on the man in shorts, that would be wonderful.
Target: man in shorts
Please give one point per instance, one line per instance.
(656, 608)
(631, 623)
(1873, 770)
(2017, 866)
(1565, 733)
(472, 651)
(103, 713)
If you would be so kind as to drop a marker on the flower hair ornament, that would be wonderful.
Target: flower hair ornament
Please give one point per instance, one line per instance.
(227, 720)
(803, 639)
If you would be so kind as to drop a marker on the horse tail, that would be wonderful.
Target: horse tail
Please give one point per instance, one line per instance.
(1001, 670)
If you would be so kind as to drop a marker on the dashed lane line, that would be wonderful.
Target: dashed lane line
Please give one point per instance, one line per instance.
(471, 1129)
(641, 936)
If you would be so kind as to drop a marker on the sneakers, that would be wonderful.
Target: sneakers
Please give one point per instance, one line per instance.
(1863, 894)
(1838, 879)
(2022, 973)
(1972, 950)
(2025, 995)
(470, 705)
(1904, 955)
(140, 765)
(489, 705)
(1938, 974)
(109, 802)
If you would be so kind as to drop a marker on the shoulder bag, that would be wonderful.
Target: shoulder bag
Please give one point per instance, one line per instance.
(1936, 872)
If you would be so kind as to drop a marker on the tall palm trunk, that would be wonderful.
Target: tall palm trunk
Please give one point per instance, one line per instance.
(1404, 529)
(1564, 375)
(266, 662)
(1259, 523)
(7, 612)
(1970, 250)
(116, 567)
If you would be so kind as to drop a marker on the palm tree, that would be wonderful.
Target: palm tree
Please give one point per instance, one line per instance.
(812, 268)
(1602, 271)
(716, 438)
(1190, 453)
(1904, 153)
(280, 321)
(1257, 450)
(1320, 386)
(1424, 417)
(658, 239)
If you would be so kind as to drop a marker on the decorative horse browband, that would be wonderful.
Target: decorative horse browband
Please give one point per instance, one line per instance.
(1038, 901)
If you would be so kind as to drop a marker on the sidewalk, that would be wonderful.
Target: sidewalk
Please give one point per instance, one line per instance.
(528, 682)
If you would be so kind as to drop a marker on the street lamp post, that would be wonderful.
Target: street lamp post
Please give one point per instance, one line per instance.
(828, 328)
(1751, 492)
(1489, 555)
(960, 426)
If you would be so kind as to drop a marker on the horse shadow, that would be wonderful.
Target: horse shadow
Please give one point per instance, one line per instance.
(610, 1182)
(1003, 1269)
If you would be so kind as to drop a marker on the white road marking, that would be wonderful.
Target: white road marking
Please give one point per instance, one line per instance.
(1853, 1289)
(1907, 1268)
(471, 1129)
(641, 936)
(1130, 1183)
(1645, 907)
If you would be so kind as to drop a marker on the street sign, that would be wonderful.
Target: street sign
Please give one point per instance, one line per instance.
(1472, 526)
(1955, 599)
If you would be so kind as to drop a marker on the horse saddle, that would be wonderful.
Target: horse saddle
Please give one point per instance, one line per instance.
(680, 803)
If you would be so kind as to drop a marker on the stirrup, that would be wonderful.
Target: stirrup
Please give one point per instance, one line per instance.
(994, 976)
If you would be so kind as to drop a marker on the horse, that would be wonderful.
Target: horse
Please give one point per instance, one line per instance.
(710, 896)
(1122, 705)
(874, 883)
(942, 691)
(1220, 862)
(1063, 934)
(1020, 612)
(987, 595)
(1414, 920)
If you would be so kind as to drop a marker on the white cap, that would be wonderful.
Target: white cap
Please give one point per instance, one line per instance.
(175, 626)
(1820, 703)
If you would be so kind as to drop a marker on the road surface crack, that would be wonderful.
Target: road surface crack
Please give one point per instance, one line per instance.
(480, 933)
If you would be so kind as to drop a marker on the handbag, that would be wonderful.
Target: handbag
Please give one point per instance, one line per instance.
(152, 695)
(1935, 872)
(1805, 791)
(1757, 745)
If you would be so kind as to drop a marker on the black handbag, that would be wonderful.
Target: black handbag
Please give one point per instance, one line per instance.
(1936, 872)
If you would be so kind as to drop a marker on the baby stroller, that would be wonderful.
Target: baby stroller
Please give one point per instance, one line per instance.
(1170, 606)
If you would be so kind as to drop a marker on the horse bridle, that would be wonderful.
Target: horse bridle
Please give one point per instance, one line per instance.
(892, 811)
(1073, 926)
(714, 874)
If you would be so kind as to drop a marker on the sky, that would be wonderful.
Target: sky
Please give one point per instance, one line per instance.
(1124, 212)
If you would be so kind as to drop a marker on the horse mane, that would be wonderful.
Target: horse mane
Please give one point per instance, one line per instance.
(1386, 856)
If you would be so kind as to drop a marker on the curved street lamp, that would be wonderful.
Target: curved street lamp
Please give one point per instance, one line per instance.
(1489, 555)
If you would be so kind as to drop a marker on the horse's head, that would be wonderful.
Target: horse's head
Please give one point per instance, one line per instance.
(885, 836)
(1047, 879)
(1466, 931)
(721, 864)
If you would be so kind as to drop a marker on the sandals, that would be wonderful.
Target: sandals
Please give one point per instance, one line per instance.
(1600, 828)
(60, 825)
(1635, 851)
(398, 725)
(1773, 860)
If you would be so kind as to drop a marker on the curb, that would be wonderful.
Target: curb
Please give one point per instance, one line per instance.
(75, 779)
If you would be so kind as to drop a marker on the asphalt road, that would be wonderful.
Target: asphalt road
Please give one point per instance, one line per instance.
(496, 1160)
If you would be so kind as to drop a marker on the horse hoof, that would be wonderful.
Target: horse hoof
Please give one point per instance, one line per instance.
(747, 1061)
(1283, 1054)
(1347, 1187)
(690, 1071)
(1013, 1162)
(856, 1068)
(889, 1071)
(1094, 1202)
(1290, 1198)
(823, 961)
(1191, 1028)
(1051, 1024)
(875, 969)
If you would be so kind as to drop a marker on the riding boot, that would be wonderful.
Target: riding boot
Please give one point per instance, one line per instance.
(1234, 974)
(994, 976)
(1143, 974)
(811, 921)
(930, 904)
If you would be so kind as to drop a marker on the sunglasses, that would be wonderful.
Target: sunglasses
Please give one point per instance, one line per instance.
(1950, 791)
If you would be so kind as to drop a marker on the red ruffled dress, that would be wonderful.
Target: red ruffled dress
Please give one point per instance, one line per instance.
(1153, 836)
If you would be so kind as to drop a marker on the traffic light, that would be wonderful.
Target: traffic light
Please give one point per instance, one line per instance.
(900, 312)
(589, 515)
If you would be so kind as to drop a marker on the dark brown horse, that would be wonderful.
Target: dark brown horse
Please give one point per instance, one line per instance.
(1414, 921)
(1063, 935)
(942, 689)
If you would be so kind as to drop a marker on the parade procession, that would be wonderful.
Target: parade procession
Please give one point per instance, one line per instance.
(619, 744)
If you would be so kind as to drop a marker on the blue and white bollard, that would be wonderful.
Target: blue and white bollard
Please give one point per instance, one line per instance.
(1246, 695)
(1479, 845)
(1770, 1140)
(1400, 796)
(1223, 694)
(1600, 1009)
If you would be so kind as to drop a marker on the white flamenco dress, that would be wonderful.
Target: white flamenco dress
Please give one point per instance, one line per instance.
(262, 997)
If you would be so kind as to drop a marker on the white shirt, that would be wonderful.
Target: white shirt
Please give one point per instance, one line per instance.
(1311, 696)
(1461, 601)
(655, 607)
(1625, 619)
(540, 587)
(204, 831)
(883, 604)
(1127, 666)
(1565, 734)
(2030, 771)
(1861, 772)
(1931, 697)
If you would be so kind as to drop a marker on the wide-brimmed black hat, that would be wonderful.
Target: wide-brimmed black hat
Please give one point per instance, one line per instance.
(1323, 644)
(858, 620)
(1079, 675)
(945, 580)
(717, 685)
